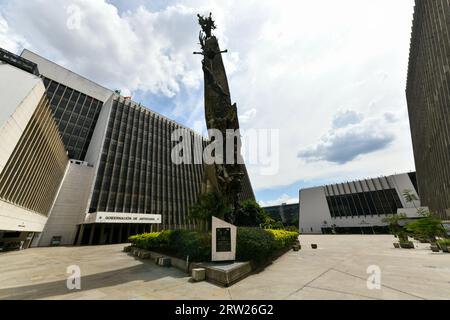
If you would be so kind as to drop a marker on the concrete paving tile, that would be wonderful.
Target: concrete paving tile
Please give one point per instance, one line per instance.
(336, 270)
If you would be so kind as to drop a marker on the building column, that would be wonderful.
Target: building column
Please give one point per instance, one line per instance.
(111, 233)
(91, 236)
(102, 233)
(80, 235)
(120, 234)
(128, 231)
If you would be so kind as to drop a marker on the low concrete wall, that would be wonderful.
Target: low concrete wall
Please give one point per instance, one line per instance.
(176, 262)
(217, 273)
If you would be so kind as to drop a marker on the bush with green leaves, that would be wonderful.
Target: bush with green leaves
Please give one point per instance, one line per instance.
(260, 244)
(283, 238)
(208, 205)
(426, 227)
(270, 223)
(292, 229)
(146, 240)
(443, 242)
(196, 245)
(250, 214)
(254, 244)
(395, 226)
(181, 243)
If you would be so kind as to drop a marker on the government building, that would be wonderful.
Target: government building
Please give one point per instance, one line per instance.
(81, 164)
(357, 207)
(428, 96)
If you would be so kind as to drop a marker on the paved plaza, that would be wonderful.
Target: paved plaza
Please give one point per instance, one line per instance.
(336, 270)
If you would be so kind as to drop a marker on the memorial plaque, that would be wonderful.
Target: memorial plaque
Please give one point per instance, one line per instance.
(223, 239)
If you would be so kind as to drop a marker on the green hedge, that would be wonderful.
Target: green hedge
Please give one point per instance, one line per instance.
(259, 244)
(181, 243)
(152, 240)
(252, 243)
(196, 245)
(283, 238)
(444, 242)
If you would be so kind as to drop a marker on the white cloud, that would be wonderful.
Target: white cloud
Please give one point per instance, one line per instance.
(350, 137)
(136, 50)
(285, 198)
(9, 40)
(247, 116)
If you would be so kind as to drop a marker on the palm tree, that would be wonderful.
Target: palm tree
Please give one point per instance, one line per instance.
(396, 228)
(410, 196)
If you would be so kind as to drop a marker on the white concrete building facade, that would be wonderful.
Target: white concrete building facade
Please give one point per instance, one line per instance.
(357, 206)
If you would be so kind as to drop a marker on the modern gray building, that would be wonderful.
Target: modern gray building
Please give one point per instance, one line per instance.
(120, 179)
(357, 207)
(286, 213)
(428, 95)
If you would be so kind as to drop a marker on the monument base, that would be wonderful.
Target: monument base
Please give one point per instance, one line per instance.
(225, 273)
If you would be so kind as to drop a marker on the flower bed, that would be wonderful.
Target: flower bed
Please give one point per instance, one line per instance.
(253, 244)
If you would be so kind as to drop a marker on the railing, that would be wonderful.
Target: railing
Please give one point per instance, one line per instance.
(18, 62)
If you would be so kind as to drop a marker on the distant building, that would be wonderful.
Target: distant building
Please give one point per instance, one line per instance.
(428, 95)
(286, 213)
(356, 207)
(81, 164)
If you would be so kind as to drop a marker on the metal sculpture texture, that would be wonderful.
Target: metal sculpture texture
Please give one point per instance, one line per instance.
(221, 115)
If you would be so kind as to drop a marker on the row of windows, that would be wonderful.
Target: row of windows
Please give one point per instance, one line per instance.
(136, 175)
(76, 115)
(380, 202)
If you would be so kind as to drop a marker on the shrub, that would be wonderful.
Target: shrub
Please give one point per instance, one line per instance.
(145, 240)
(152, 240)
(398, 230)
(208, 205)
(254, 244)
(250, 214)
(196, 245)
(292, 229)
(283, 238)
(270, 223)
(443, 242)
(427, 227)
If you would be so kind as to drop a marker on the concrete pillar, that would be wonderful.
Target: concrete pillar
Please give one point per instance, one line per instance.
(80, 235)
(128, 231)
(91, 236)
(102, 234)
(111, 233)
(120, 233)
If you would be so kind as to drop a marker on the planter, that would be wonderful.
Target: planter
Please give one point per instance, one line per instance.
(407, 245)
(434, 248)
(396, 245)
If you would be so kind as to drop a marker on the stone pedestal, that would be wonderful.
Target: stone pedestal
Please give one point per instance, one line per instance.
(198, 274)
(223, 240)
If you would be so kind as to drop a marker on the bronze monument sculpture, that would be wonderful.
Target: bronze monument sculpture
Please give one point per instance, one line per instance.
(223, 178)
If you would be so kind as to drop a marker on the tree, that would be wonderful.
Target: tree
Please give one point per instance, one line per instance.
(208, 205)
(250, 214)
(396, 228)
(410, 197)
(426, 227)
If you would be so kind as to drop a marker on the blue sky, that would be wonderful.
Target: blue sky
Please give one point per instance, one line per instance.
(329, 76)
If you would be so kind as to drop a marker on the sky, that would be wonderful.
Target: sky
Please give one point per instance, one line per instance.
(328, 77)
